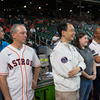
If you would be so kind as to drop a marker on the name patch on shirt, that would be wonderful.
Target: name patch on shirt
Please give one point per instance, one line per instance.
(64, 60)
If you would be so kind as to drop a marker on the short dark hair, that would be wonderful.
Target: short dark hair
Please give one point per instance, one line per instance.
(78, 36)
(62, 26)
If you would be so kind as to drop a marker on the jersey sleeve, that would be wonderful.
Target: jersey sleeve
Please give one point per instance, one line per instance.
(3, 65)
(92, 48)
(35, 61)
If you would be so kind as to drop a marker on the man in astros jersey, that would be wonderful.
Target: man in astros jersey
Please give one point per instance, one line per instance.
(16, 62)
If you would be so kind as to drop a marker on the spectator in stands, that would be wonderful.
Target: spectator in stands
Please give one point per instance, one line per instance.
(89, 74)
(32, 30)
(47, 24)
(95, 48)
(34, 21)
(1, 20)
(46, 30)
(83, 23)
(46, 21)
(8, 30)
(2, 43)
(37, 30)
(42, 29)
(51, 23)
(32, 25)
(67, 65)
(55, 38)
(29, 23)
(90, 28)
(4, 27)
(2, 46)
(25, 21)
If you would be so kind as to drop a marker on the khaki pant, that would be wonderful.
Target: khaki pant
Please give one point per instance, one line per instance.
(33, 98)
(67, 95)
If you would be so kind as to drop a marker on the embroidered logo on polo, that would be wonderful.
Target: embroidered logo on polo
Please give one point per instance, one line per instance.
(93, 51)
(88, 51)
(64, 60)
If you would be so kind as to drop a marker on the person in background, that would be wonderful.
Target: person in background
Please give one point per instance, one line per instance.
(8, 29)
(32, 30)
(95, 48)
(55, 38)
(42, 29)
(46, 30)
(2, 46)
(89, 74)
(37, 30)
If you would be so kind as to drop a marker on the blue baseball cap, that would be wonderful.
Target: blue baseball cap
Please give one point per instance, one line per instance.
(56, 33)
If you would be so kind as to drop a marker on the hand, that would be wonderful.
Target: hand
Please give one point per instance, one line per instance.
(58, 39)
(8, 98)
(34, 83)
(91, 77)
(94, 76)
(73, 72)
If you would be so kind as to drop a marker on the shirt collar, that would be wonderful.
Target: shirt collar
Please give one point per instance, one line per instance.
(94, 42)
(64, 43)
(2, 43)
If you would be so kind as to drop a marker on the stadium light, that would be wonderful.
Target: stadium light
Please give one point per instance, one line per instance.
(39, 7)
(24, 6)
(88, 12)
(30, 2)
(70, 10)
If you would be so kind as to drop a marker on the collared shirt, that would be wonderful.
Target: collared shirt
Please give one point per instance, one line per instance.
(54, 39)
(17, 65)
(3, 45)
(95, 48)
(63, 58)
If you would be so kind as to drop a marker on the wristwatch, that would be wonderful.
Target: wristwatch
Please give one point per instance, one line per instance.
(81, 69)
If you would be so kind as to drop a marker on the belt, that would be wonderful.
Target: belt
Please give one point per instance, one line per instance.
(97, 66)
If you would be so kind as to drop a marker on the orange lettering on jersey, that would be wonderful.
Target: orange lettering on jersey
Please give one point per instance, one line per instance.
(18, 60)
(31, 63)
(11, 67)
(27, 61)
(14, 63)
(23, 61)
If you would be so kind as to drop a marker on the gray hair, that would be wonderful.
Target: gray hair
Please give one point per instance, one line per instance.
(95, 29)
(14, 28)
